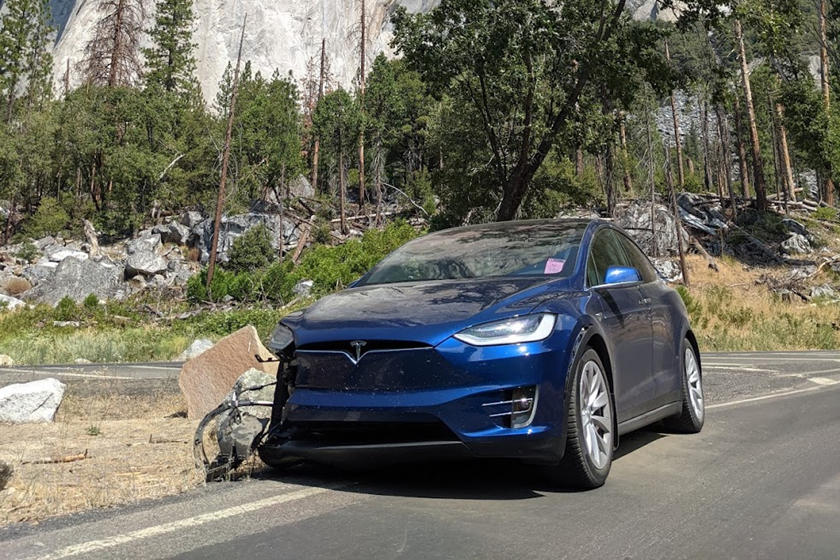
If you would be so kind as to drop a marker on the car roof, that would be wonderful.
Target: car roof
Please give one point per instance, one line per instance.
(513, 224)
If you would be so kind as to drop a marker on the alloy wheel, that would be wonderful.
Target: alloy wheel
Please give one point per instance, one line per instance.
(596, 414)
(695, 384)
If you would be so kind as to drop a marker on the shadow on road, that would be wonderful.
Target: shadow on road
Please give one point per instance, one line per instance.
(460, 480)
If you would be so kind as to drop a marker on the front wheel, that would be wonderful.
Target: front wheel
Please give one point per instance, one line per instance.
(693, 415)
(590, 438)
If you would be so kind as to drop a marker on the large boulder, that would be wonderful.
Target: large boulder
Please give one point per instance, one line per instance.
(796, 244)
(31, 402)
(6, 361)
(197, 348)
(57, 254)
(173, 232)
(301, 188)
(40, 271)
(233, 227)
(77, 279)
(144, 257)
(191, 219)
(206, 380)
(635, 218)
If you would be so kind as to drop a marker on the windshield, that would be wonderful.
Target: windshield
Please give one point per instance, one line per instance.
(506, 249)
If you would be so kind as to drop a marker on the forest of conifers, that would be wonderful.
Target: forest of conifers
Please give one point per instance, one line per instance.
(493, 110)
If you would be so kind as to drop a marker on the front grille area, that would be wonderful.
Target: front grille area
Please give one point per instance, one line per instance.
(369, 433)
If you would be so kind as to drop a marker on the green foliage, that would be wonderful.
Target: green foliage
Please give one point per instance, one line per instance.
(93, 430)
(24, 55)
(27, 252)
(66, 310)
(329, 267)
(525, 62)
(170, 65)
(251, 251)
(825, 213)
(49, 219)
(91, 302)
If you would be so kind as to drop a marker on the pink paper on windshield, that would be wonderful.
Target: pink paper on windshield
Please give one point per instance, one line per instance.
(554, 266)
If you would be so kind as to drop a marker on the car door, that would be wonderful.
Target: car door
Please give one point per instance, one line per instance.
(625, 318)
(664, 359)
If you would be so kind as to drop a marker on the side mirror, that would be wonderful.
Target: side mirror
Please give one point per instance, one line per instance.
(622, 275)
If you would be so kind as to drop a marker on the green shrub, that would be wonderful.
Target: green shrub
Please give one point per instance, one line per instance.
(91, 302)
(49, 219)
(242, 286)
(28, 251)
(825, 213)
(251, 251)
(66, 310)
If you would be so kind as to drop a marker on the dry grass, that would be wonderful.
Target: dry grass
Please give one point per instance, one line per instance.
(122, 465)
(16, 286)
(731, 311)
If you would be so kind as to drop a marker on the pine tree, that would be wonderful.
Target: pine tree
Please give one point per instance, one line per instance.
(170, 63)
(24, 60)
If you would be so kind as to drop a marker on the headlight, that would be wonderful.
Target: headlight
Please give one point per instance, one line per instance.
(281, 339)
(529, 328)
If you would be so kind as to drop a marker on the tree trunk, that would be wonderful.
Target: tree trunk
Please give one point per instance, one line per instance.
(115, 54)
(743, 173)
(669, 180)
(676, 119)
(342, 188)
(758, 166)
(220, 201)
(826, 91)
(625, 155)
(317, 148)
(787, 170)
(652, 184)
(609, 188)
(726, 152)
(579, 162)
(707, 170)
(781, 190)
(362, 106)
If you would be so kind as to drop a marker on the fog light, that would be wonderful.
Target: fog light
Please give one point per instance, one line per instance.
(523, 406)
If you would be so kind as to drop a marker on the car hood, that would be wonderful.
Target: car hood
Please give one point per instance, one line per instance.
(424, 312)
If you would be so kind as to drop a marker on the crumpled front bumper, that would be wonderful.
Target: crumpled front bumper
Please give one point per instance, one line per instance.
(433, 403)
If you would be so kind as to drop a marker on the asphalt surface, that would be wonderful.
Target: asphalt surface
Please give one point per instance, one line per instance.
(761, 481)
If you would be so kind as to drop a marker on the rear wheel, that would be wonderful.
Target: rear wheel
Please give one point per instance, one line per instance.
(590, 430)
(693, 415)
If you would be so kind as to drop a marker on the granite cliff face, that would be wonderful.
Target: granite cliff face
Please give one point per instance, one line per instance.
(282, 34)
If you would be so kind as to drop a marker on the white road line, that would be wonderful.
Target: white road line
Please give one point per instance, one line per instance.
(731, 367)
(823, 380)
(189, 522)
(772, 396)
(763, 358)
(68, 374)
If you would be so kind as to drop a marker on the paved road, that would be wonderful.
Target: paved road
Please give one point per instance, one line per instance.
(98, 379)
(761, 481)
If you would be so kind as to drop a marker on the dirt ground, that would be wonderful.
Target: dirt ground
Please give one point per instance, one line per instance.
(137, 447)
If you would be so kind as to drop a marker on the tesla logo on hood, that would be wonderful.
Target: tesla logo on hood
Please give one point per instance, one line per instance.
(358, 345)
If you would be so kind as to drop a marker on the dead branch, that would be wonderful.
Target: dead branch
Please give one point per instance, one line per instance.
(56, 460)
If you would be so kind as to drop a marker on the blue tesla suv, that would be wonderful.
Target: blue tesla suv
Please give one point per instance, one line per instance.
(539, 340)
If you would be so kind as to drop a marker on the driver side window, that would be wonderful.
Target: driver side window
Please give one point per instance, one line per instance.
(605, 252)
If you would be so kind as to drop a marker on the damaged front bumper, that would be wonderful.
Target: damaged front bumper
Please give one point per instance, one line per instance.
(451, 401)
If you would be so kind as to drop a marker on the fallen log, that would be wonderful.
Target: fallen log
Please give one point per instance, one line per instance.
(57, 460)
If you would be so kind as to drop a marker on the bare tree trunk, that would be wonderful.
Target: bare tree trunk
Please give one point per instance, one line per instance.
(826, 91)
(652, 185)
(743, 173)
(579, 162)
(785, 153)
(704, 131)
(342, 187)
(362, 105)
(117, 46)
(317, 148)
(625, 155)
(677, 136)
(220, 202)
(609, 188)
(781, 190)
(758, 166)
(726, 152)
(669, 180)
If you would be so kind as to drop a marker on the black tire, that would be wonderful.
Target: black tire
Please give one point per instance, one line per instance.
(688, 421)
(577, 469)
